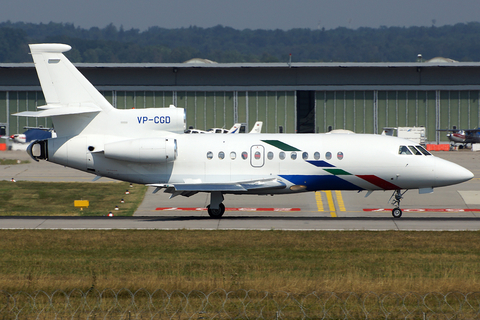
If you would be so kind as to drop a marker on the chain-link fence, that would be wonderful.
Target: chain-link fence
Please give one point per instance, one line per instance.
(238, 304)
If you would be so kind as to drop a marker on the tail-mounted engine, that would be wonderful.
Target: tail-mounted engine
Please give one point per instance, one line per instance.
(153, 150)
(38, 150)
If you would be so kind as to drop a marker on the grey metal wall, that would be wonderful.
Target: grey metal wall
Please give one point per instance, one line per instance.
(366, 111)
(371, 111)
(362, 97)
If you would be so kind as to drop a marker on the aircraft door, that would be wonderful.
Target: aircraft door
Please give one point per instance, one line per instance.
(257, 156)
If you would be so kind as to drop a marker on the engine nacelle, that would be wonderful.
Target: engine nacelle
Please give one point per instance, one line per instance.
(38, 150)
(149, 150)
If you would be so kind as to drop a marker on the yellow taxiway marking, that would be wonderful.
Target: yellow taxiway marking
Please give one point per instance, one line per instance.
(318, 198)
(330, 202)
(341, 205)
(331, 205)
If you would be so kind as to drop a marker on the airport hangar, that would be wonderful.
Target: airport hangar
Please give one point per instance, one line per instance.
(296, 97)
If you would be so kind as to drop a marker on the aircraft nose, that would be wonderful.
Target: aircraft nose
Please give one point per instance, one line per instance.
(448, 173)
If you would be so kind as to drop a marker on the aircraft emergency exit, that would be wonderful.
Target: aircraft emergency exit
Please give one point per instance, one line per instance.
(148, 146)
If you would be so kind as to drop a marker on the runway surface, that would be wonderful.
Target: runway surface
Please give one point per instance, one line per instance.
(243, 223)
(450, 208)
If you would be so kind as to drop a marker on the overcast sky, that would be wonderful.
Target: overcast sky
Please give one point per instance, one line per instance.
(242, 14)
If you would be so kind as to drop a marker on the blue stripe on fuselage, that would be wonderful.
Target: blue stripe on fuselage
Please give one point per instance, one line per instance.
(320, 163)
(321, 182)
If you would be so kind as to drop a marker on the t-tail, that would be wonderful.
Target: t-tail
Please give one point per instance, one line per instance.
(67, 92)
(83, 119)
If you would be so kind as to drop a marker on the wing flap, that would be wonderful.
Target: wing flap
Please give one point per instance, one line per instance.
(241, 186)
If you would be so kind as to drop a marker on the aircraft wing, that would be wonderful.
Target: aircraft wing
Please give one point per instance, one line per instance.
(455, 130)
(189, 189)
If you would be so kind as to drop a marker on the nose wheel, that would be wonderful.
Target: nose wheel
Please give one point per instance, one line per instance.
(397, 213)
(397, 195)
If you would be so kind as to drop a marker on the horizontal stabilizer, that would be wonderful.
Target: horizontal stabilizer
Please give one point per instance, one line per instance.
(52, 111)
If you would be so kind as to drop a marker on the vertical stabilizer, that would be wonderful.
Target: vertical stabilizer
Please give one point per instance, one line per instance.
(62, 84)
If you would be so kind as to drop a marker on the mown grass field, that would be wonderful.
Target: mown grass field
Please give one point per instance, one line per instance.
(4, 162)
(263, 260)
(28, 198)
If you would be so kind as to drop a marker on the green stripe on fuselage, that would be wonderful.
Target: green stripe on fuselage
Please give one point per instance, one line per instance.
(338, 172)
(281, 145)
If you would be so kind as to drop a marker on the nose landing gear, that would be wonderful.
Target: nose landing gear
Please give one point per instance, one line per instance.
(397, 195)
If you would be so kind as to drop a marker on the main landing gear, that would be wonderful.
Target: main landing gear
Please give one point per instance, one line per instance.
(216, 208)
(397, 195)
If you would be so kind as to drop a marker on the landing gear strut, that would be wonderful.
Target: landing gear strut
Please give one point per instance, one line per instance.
(397, 195)
(216, 208)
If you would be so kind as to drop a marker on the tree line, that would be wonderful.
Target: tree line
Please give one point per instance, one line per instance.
(224, 44)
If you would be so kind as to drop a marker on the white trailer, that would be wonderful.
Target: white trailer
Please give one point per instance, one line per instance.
(416, 134)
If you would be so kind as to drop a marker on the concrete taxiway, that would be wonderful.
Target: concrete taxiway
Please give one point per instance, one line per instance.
(449, 208)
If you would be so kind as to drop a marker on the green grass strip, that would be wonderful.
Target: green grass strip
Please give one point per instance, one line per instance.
(27, 198)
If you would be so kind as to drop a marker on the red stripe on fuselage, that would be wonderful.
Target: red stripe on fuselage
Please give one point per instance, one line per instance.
(379, 182)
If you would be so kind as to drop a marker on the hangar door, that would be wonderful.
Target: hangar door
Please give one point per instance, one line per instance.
(305, 111)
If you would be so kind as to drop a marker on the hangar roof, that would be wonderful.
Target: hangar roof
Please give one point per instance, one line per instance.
(261, 76)
(264, 65)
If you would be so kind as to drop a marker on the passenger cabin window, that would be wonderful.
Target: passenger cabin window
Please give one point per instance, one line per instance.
(221, 155)
(316, 155)
(244, 155)
(403, 150)
(328, 155)
(293, 155)
(209, 155)
(281, 155)
(305, 155)
(270, 155)
(340, 155)
(233, 155)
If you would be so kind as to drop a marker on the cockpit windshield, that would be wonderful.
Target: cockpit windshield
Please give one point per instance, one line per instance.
(413, 150)
(404, 150)
(423, 150)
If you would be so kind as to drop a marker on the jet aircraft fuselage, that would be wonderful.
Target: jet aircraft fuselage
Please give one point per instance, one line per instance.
(149, 146)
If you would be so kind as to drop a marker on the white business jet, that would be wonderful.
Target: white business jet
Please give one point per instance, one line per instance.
(95, 137)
